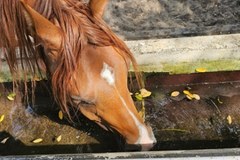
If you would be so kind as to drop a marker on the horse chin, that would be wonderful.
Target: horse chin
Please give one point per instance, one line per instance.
(128, 147)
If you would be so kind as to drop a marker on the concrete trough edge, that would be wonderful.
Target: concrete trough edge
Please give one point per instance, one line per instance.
(184, 55)
(179, 55)
(231, 153)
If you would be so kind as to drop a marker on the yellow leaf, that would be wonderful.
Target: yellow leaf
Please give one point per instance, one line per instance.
(39, 140)
(139, 96)
(59, 138)
(189, 97)
(229, 119)
(219, 100)
(11, 96)
(186, 92)
(60, 115)
(201, 70)
(196, 96)
(2, 118)
(175, 94)
(145, 93)
(36, 78)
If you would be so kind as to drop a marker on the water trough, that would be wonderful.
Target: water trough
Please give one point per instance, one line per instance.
(169, 56)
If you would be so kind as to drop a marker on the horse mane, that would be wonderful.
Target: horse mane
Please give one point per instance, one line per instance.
(75, 19)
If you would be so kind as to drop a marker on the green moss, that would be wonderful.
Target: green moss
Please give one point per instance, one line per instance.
(190, 67)
(173, 68)
(5, 77)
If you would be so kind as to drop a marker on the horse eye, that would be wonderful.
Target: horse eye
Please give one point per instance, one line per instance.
(80, 101)
(86, 103)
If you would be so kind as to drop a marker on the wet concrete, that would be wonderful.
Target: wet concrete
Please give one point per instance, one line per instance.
(178, 123)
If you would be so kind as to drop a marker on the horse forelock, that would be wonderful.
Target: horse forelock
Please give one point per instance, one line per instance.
(79, 26)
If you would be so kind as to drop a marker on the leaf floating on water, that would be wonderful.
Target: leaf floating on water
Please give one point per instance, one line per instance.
(186, 92)
(145, 93)
(60, 115)
(219, 100)
(196, 96)
(229, 119)
(201, 70)
(2, 118)
(175, 94)
(189, 97)
(11, 96)
(138, 97)
(4, 140)
(39, 140)
(59, 138)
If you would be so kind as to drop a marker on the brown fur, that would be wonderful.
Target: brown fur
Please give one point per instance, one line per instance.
(75, 19)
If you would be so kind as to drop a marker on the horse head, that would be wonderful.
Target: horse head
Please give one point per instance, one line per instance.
(93, 79)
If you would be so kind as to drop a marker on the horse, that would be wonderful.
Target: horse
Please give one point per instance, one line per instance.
(85, 61)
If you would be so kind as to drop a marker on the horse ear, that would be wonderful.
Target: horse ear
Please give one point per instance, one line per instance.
(98, 7)
(49, 34)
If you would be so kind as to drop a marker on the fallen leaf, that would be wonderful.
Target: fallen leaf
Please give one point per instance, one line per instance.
(201, 70)
(5, 140)
(196, 96)
(138, 96)
(186, 92)
(39, 140)
(11, 96)
(59, 138)
(189, 97)
(60, 115)
(175, 94)
(229, 119)
(219, 100)
(145, 93)
(2, 118)
(36, 78)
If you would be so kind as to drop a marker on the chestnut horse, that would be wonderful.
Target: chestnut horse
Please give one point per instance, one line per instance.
(85, 61)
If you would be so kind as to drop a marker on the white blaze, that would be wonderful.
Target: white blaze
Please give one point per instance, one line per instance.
(144, 136)
(107, 74)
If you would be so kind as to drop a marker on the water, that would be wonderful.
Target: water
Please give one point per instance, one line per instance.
(178, 123)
